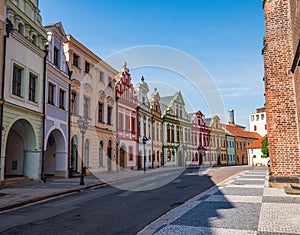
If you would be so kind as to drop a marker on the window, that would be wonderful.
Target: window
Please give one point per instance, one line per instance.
(109, 115)
(102, 76)
(262, 117)
(168, 133)
(62, 95)
(265, 127)
(100, 112)
(255, 128)
(17, 80)
(130, 153)
(149, 129)
(127, 124)
(74, 103)
(252, 118)
(32, 87)
(133, 125)
(110, 80)
(76, 60)
(56, 57)
(121, 121)
(51, 91)
(87, 153)
(86, 107)
(145, 128)
(101, 154)
(257, 117)
(87, 67)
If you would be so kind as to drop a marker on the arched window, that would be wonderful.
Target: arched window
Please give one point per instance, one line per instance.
(87, 153)
(101, 154)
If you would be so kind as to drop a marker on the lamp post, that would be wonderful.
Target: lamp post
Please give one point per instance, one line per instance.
(83, 125)
(145, 139)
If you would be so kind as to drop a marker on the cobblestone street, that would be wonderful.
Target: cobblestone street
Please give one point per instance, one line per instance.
(242, 205)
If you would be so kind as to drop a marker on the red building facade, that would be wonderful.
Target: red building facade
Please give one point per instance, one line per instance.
(126, 127)
(200, 139)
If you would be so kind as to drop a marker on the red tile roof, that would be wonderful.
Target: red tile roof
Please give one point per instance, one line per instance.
(256, 144)
(239, 132)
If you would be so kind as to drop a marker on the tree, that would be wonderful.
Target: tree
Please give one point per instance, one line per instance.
(265, 148)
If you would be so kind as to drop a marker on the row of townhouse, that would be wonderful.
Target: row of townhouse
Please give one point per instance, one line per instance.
(63, 109)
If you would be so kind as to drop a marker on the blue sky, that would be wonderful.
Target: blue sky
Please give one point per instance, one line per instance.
(224, 36)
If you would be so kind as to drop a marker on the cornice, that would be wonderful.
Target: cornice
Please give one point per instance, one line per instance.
(59, 74)
(20, 38)
(83, 49)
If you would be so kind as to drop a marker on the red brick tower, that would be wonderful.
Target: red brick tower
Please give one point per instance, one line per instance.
(282, 87)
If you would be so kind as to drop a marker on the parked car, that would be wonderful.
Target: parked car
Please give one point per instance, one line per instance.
(268, 163)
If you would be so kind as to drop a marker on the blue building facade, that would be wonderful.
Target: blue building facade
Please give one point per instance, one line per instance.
(56, 129)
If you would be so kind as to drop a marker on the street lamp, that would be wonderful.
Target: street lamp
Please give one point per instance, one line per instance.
(83, 125)
(145, 139)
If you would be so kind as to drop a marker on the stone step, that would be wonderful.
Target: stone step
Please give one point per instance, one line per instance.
(292, 189)
(13, 182)
(295, 186)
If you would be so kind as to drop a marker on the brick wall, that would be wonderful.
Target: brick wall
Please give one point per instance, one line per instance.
(282, 88)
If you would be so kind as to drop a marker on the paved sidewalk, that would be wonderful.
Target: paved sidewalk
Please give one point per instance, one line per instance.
(241, 205)
(14, 197)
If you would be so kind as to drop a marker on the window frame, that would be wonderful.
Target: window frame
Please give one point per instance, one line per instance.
(75, 61)
(109, 115)
(62, 98)
(86, 106)
(32, 95)
(56, 52)
(51, 93)
(17, 83)
(101, 120)
(87, 67)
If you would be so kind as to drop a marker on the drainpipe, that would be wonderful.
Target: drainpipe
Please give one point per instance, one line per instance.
(9, 27)
(153, 154)
(44, 114)
(70, 172)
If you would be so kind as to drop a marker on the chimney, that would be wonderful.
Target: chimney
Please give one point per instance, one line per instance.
(231, 116)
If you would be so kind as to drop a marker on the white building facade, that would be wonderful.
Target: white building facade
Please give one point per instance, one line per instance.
(258, 121)
(22, 122)
(144, 126)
